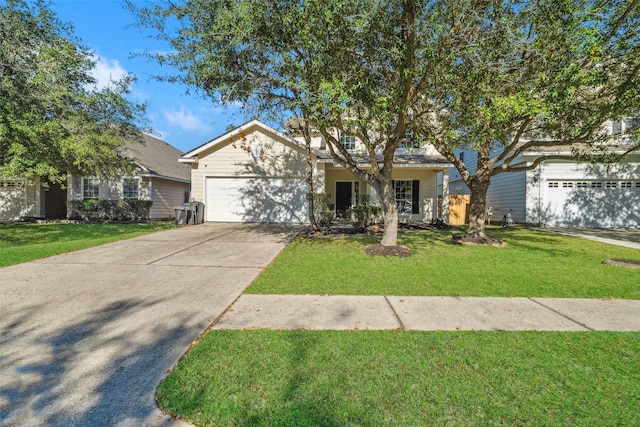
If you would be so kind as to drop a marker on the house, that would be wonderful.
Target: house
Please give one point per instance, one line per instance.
(255, 173)
(561, 193)
(159, 178)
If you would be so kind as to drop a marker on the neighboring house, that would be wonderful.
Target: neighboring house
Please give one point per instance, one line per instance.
(563, 193)
(160, 178)
(257, 174)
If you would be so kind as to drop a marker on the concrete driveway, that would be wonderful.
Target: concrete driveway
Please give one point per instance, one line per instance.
(86, 337)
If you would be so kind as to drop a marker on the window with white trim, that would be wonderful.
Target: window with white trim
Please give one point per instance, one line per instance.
(567, 185)
(90, 188)
(596, 184)
(348, 141)
(581, 185)
(626, 184)
(553, 185)
(404, 196)
(611, 184)
(409, 140)
(130, 188)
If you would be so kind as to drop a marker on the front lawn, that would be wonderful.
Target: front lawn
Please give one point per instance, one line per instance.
(370, 378)
(533, 264)
(27, 242)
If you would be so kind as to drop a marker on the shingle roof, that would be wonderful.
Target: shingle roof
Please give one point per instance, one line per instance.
(158, 158)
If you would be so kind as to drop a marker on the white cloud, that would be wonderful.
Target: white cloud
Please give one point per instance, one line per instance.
(186, 120)
(106, 71)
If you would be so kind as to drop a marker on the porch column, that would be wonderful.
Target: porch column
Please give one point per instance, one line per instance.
(445, 196)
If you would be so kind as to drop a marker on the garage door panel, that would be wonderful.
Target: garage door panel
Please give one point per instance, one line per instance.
(601, 203)
(273, 200)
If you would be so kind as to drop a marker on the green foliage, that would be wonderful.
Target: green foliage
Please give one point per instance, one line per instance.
(324, 209)
(124, 210)
(26, 242)
(53, 119)
(375, 378)
(363, 215)
(556, 267)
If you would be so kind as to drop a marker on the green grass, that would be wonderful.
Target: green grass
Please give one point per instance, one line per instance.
(330, 378)
(533, 264)
(27, 242)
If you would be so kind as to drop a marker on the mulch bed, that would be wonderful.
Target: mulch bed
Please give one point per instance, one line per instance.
(631, 263)
(463, 239)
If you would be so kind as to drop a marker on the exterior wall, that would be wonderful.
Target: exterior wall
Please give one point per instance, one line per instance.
(19, 199)
(165, 195)
(428, 189)
(508, 194)
(257, 156)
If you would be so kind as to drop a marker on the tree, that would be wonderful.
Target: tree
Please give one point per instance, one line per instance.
(519, 75)
(53, 120)
(350, 66)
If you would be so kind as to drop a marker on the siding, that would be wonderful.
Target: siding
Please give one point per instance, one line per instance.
(257, 156)
(165, 195)
(507, 193)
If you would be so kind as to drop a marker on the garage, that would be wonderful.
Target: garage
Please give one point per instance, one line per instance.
(592, 203)
(256, 199)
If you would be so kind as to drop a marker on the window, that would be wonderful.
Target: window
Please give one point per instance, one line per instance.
(625, 184)
(553, 185)
(407, 196)
(461, 156)
(90, 188)
(348, 141)
(611, 184)
(130, 188)
(581, 185)
(567, 185)
(409, 140)
(596, 185)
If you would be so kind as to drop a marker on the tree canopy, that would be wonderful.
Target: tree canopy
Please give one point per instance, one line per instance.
(491, 76)
(524, 75)
(53, 119)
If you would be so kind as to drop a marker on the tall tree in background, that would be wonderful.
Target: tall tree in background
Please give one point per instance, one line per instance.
(512, 76)
(53, 119)
(347, 66)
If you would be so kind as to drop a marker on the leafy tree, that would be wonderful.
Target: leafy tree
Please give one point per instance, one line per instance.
(53, 120)
(514, 76)
(345, 66)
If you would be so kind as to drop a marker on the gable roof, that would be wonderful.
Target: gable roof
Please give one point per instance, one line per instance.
(158, 158)
(238, 133)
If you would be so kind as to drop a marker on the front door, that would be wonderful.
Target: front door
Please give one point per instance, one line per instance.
(343, 198)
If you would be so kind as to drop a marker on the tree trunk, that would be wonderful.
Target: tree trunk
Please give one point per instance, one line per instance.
(389, 214)
(477, 209)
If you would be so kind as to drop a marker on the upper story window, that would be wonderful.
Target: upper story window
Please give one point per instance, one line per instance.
(461, 156)
(348, 141)
(90, 188)
(409, 140)
(130, 188)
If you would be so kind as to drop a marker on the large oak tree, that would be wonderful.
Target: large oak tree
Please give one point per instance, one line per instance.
(53, 119)
(523, 75)
(343, 66)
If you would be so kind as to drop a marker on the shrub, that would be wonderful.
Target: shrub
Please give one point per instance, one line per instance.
(364, 215)
(123, 210)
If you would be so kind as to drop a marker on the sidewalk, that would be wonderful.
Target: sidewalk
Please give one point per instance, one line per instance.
(319, 312)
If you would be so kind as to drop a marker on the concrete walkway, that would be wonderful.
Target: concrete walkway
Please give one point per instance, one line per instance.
(430, 313)
(627, 237)
(86, 337)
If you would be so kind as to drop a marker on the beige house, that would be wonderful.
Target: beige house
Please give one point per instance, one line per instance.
(255, 173)
(160, 178)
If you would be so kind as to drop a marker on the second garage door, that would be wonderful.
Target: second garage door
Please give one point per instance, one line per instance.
(272, 200)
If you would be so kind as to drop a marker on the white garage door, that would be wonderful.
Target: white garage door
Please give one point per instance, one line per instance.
(274, 200)
(12, 199)
(594, 203)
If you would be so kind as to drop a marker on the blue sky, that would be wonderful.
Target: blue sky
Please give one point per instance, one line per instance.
(104, 26)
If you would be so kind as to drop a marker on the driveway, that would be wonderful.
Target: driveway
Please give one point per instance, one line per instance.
(86, 337)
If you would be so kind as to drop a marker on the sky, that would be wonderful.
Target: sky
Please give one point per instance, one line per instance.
(105, 27)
